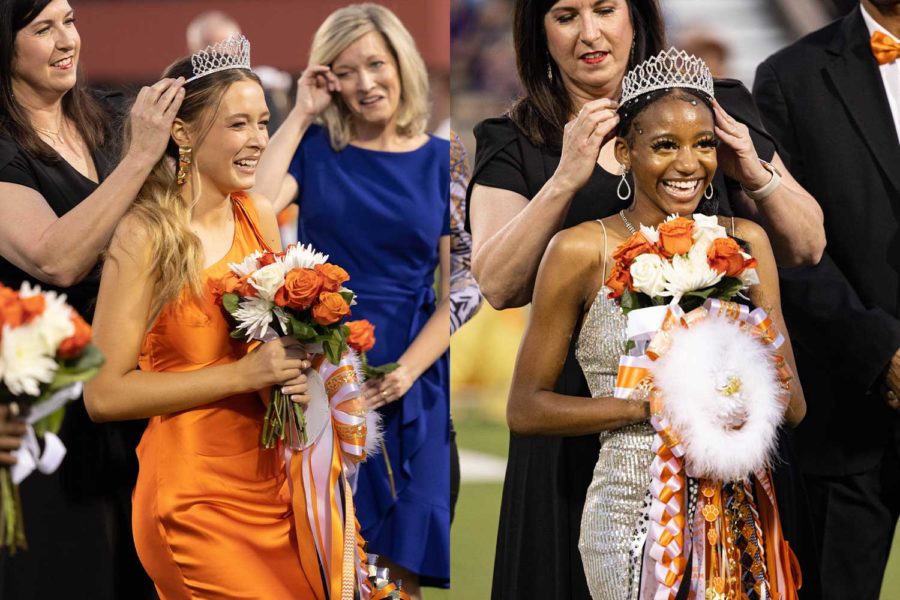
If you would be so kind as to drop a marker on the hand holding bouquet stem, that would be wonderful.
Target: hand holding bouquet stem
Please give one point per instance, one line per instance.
(294, 295)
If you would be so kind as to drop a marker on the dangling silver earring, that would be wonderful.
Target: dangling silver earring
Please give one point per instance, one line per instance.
(709, 192)
(549, 70)
(624, 197)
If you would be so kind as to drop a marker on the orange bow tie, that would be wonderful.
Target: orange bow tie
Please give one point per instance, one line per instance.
(885, 49)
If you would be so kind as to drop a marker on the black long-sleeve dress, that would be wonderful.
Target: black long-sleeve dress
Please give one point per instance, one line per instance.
(78, 519)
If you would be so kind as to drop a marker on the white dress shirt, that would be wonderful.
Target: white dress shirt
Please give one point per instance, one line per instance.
(890, 73)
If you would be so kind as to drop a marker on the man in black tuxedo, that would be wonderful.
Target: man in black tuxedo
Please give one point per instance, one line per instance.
(835, 110)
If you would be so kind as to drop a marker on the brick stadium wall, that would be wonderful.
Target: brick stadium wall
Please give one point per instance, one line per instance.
(134, 40)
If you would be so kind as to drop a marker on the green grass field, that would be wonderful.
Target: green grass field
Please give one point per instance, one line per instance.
(474, 530)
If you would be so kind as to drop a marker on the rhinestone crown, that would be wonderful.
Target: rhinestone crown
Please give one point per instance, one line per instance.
(230, 53)
(670, 68)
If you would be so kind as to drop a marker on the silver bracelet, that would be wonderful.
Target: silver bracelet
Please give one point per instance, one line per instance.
(768, 189)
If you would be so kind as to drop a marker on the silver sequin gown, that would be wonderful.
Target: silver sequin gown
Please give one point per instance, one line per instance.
(615, 519)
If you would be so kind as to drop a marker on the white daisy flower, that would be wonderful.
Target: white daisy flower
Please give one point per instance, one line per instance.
(246, 266)
(55, 323)
(302, 257)
(24, 361)
(254, 316)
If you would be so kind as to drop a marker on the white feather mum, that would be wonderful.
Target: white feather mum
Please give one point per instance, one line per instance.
(721, 396)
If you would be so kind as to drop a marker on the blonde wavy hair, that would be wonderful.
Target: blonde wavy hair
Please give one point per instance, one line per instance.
(176, 252)
(341, 29)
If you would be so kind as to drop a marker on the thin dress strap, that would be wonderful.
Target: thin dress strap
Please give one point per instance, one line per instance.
(604, 250)
(732, 226)
(244, 204)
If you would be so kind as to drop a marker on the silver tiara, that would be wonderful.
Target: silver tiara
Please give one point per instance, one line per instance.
(669, 69)
(230, 53)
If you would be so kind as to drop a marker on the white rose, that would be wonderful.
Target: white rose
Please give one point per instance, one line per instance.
(647, 274)
(707, 228)
(749, 276)
(267, 280)
(689, 273)
(24, 361)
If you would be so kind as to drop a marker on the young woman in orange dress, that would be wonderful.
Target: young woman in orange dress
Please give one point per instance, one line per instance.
(215, 514)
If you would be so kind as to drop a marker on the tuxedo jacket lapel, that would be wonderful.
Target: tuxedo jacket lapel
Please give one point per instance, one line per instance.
(855, 75)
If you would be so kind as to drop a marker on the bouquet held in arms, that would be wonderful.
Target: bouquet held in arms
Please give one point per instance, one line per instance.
(717, 388)
(296, 293)
(45, 356)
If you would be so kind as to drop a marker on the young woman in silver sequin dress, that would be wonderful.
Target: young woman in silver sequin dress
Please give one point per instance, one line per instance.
(669, 144)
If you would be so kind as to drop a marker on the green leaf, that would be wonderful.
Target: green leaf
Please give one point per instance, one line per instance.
(238, 334)
(91, 358)
(51, 423)
(633, 300)
(302, 331)
(347, 296)
(230, 302)
(332, 351)
(370, 372)
(729, 288)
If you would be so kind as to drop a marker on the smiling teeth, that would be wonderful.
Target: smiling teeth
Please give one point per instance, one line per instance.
(65, 62)
(681, 185)
(246, 163)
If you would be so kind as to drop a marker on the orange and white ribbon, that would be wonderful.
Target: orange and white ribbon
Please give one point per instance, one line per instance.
(670, 535)
(321, 472)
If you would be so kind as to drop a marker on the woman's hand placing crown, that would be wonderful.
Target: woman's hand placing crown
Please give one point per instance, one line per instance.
(736, 154)
(314, 89)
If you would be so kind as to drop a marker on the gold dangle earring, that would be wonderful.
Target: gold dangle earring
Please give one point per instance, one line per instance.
(184, 163)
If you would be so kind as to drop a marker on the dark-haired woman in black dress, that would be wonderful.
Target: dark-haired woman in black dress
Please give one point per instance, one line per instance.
(61, 196)
(548, 165)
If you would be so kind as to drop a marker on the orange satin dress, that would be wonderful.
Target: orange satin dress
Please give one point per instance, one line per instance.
(212, 511)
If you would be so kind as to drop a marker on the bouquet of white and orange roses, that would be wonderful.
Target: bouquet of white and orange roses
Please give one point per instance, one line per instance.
(682, 261)
(45, 356)
(297, 293)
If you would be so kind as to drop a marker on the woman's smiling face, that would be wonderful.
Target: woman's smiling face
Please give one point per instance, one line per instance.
(671, 151)
(47, 51)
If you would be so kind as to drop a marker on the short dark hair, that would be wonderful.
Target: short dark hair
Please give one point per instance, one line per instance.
(81, 108)
(544, 110)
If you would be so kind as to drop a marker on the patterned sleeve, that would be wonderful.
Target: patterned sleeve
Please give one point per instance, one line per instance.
(465, 298)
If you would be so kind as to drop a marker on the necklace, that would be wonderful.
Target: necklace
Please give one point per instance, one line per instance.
(50, 133)
(628, 224)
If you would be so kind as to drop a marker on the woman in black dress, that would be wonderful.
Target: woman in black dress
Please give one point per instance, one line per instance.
(547, 165)
(61, 196)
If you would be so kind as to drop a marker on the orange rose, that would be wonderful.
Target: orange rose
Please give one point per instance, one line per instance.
(330, 309)
(242, 287)
(267, 259)
(32, 307)
(362, 335)
(633, 247)
(301, 288)
(675, 236)
(229, 284)
(75, 344)
(724, 255)
(11, 310)
(333, 277)
(619, 279)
